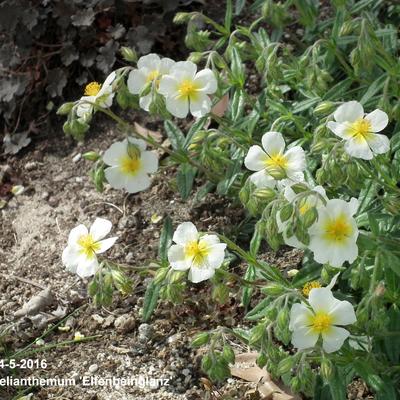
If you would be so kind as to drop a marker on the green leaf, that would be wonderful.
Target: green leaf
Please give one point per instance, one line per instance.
(184, 179)
(165, 240)
(199, 124)
(228, 15)
(150, 300)
(175, 135)
(237, 105)
(374, 88)
(239, 5)
(237, 68)
(248, 291)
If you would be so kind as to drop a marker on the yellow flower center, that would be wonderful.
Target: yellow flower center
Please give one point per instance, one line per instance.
(197, 251)
(304, 207)
(130, 165)
(152, 75)
(360, 129)
(338, 229)
(321, 322)
(88, 245)
(310, 285)
(188, 88)
(92, 89)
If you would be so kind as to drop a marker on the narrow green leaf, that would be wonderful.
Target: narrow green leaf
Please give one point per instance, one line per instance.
(150, 300)
(175, 135)
(185, 178)
(239, 5)
(165, 240)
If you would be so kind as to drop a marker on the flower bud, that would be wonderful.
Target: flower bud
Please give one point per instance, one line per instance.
(265, 194)
(133, 151)
(309, 217)
(91, 156)
(326, 369)
(276, 172)
(262, 360)
(182, 18)
(195, 57)
(206, 363)
(293, 272)
(324, 108)
(273, 289)
(286, 212)
(201, 339)
(285, 365)
(128, 54)
(228, 354)
(65, 109)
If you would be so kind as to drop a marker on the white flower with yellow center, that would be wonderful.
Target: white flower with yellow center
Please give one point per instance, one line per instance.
(273, 163)
(150, 69)
(130, 165)
(200, 254)
(322, 319)
(186, 89)
(333, 238)
(80, 255)
(303, 204)
(102, 95)
(359, 130)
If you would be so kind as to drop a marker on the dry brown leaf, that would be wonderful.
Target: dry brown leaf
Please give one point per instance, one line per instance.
(246, 368)
(157, 136)
(36, 304)
(220, 108)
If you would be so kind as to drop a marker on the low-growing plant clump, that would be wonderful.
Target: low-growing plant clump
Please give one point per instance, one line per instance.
(312, 153)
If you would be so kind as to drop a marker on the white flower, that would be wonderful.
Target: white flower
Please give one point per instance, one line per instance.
(130, 165)
(303, 205)
(323, 318)
(333, 237)
(272, 163)
(95, 93)
(80, 254)
(358, 130)
(185, 89)
(200, 254)
(150, 69)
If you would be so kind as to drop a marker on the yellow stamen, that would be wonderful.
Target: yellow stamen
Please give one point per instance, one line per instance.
(152, 75)
(338, 229)
(88, 245)
(360, 129)
(321, 322)
(129, 165)
(310, 285)
(197, 251)
(92, 89)
(188, 88)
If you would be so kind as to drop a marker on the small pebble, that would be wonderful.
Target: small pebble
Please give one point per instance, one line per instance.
(77, 157)
(93, 368)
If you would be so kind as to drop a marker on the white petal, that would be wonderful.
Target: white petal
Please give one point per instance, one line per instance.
(333, 339)
(358, 148)
(150, 61)
(76, 233)
(145, 101)
(322, 300)
(178, 106)
(255, 159)
(138, 142)
(352, 206)
(332, 283)
(200, 105)
(210, 240)
(101, 228)
(216, 255)
(343, 313)
(113, 154)
(106, 244)
(149, 161)
(168, 86)
(379, 144)
(177, 259)
(109, 80)
(83, 108)
(300, 316)
(137, 183)
(273, 143)
(184, 70)
(166, 65)
(206, 81)
(197, 275)
(296, 160)
(339, 129)
(185, 232)
(136, 81)
(70, 258)
(304, 338)
(88, 267)
(115, 177)
(378, 119)
(262, 180)
(349, 112)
